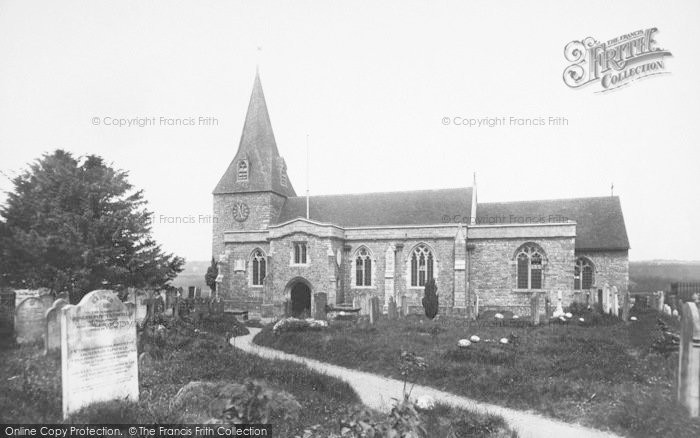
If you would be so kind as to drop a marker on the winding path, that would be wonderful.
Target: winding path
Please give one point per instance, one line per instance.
(377, 392)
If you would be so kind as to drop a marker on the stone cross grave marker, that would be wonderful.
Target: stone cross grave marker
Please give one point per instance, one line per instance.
(374, 310)
(98, 351)
(535, 308)
(320, 302)
(52, 335)
(7, 314)
(30, 319)
(689, 360)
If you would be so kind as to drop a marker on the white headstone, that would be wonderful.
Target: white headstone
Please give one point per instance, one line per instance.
(615, 301)
(667, 309)
(98, 351)
(560, 308)
(607, 304)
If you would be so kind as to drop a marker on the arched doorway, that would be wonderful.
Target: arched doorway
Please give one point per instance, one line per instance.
(300, 300)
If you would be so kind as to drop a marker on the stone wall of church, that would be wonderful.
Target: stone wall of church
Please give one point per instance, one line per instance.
(263, 208)
(443, 251)
(610, 266)
(320, 271)
(237, 285)
(493, 272)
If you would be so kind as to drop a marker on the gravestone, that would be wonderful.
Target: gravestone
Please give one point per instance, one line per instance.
(52, 335)
(626, 305)
(393, 311)
(404, 305)
(615, 302)
(535, 308)
(374, 310)
(660, 301)
(667, 309)
(548, 308)
(7, 314)
(607, 304)
(23, 294)
(30, 320)
(689, 360)
(98, 351)
(560, 308)
(320, 302)
(476, 305)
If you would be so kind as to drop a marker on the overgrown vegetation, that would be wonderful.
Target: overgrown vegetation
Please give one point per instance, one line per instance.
(185, 353)
(603, 376)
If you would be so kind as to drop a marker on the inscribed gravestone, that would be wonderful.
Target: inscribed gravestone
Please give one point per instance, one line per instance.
(320, 302)
(689, 360)
(7, 314)
(29, 319)
(52, 335)
(98, 351)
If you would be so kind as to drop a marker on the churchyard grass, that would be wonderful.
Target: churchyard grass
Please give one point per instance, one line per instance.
(30, 388)
(605, 375)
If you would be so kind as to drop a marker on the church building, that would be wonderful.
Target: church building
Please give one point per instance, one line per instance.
(275, 252)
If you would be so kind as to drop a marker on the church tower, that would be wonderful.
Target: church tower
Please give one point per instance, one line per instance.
(253, 189)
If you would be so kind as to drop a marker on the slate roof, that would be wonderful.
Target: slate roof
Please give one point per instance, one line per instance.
(258, 146)
(423, 207)
(600, 224)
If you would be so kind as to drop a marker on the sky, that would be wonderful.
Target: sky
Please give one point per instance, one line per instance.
(370, 84)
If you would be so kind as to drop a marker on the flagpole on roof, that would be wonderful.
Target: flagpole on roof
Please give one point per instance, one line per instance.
(307, 176)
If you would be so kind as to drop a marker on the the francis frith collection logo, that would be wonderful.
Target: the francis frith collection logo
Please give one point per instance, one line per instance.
(616, 62)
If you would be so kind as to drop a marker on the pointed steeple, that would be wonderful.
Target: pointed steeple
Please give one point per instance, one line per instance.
(257, 165)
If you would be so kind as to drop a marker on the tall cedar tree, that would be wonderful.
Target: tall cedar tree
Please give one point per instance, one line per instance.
(79, 225)
(210, 276)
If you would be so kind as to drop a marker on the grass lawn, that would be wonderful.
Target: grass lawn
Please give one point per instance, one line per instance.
(30, 389)
(603, 376)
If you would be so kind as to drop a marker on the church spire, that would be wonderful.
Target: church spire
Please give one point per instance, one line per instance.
(257, 165)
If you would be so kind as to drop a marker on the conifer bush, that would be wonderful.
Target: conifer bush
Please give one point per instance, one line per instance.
(430, 299)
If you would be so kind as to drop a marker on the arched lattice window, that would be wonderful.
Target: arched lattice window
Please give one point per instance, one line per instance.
(583, 274)
(421, 265)
(530, 264)
(243, 170)
(363, 267)
(259, 267)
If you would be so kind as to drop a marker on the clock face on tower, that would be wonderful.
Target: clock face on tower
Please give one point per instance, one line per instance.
(240, 211)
